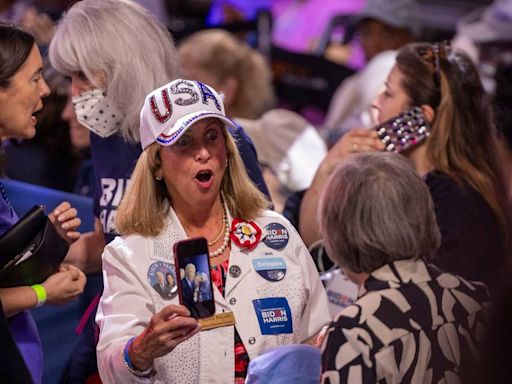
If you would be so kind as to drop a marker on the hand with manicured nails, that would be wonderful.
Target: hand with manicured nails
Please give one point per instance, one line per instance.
(354, 141)
(64, 285)
(166, 329)
(64, 219)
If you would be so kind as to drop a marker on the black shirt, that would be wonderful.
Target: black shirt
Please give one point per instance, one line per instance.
(472, 240)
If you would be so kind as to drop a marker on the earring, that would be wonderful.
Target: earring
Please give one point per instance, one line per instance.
(158, 178)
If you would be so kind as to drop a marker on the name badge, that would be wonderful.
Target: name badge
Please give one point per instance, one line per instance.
(216, 321)
(274, 315)
(270, 268)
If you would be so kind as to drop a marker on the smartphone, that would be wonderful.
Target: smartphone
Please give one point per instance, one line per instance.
(404, 130)
(194, 279)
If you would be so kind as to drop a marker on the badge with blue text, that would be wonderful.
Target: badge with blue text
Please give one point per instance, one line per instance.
(162, 277)
(276, 236)
(270, 268)
(274, 315)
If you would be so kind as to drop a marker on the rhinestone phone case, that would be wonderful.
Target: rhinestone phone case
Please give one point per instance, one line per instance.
(404, 131)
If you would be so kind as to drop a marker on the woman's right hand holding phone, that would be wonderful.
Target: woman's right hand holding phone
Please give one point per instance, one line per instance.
(167, 328)
(354, 141)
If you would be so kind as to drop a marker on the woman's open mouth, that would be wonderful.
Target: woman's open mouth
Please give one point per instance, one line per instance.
(205, 178)
(34, 116)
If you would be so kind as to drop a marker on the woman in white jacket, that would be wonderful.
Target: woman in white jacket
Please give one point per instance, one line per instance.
(190, 182)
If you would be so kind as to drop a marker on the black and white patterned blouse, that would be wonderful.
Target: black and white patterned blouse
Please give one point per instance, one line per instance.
(411, 324)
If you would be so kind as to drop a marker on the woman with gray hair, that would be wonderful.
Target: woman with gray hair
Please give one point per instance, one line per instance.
(115, 53)
(411, 322)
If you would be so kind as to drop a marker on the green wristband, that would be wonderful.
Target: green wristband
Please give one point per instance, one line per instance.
(41, 294)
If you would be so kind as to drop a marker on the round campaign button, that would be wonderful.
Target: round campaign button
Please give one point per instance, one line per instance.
(162, 277)
(234, 271)
(270, 268)
(276, 236)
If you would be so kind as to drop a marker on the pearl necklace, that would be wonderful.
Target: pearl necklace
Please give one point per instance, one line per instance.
(225, 243)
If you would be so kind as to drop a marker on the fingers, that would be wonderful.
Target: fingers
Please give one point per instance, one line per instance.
(169, 310)
(65, 213)
(74, 272)
(76, 275)
(173, 338)
(64, 218)
(73, 222)
(365, 146)
(174, 320)
(362, 132)
(362, 140)
(165, 331)
(73, 235)
(71, 272)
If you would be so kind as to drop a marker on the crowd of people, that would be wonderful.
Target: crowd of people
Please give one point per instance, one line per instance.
(158, 134)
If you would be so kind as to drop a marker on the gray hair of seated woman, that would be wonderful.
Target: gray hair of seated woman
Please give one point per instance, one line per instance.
(121, 42)
(375, 210)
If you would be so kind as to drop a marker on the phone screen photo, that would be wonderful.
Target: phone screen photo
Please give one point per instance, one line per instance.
(404, 131)
(194, 283)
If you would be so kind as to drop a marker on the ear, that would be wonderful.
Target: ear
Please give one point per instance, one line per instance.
(429, 112)
(229, 88)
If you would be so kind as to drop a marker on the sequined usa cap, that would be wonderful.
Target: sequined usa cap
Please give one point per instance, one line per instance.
(170, 110)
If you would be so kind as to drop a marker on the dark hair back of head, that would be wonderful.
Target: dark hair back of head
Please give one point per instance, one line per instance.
(376, 209)
(15, 47)
(463, 139)
(503, 101)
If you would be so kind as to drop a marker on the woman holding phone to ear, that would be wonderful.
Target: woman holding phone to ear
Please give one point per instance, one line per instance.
(458, 161)
(190, 182)
(22, 89)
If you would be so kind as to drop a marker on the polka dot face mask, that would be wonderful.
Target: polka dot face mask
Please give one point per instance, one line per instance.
(95, 112)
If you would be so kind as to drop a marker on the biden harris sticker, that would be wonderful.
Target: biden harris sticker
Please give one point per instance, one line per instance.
(276, 236)
(274, 315)
(270, 268)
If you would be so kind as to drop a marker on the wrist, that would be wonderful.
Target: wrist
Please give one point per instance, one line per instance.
(40, 292)
(135, 364)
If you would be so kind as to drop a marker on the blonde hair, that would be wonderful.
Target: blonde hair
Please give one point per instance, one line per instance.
(146, 201)
(222, 55)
